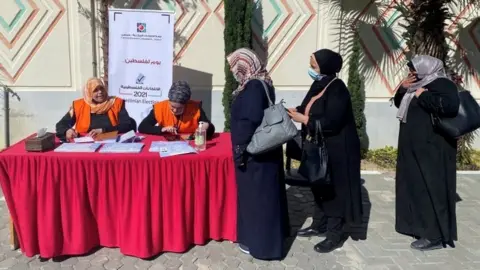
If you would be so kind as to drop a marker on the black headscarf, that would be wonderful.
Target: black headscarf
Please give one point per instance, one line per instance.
(330, 64)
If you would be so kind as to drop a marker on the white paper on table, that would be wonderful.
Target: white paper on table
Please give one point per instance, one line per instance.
(127, 136)
(114, 140)
(168, 149)
(86, 139)
(156, 146)
(78, 147)
(121, 148)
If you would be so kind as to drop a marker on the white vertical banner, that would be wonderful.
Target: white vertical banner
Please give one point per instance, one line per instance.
(140, 61)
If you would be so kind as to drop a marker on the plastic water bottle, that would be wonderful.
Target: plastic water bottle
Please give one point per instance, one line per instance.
(201, 137)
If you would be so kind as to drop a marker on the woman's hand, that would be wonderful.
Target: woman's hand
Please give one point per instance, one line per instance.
(94, 132)
(419, 91)
(408, 81)
(298, 117)
(292, 109)
(169, 130)
(71, 134)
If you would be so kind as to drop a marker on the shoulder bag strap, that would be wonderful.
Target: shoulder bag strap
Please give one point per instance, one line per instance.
(265, 87)
(334, 79)
(309, 104)
(318, 131)
(318, 125)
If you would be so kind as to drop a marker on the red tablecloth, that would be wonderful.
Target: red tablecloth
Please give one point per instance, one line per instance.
(69, 203)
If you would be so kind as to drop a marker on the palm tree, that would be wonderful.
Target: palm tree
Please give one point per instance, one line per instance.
(425, 29)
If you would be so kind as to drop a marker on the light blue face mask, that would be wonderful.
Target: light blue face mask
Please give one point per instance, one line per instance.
(314, 75)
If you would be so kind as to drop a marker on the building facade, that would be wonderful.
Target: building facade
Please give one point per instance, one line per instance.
(48, 48)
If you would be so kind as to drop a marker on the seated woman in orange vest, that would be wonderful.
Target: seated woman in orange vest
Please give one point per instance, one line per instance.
(177, 115)
(94, 114)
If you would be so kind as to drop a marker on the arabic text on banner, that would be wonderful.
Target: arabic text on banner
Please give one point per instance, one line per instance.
(140, 58)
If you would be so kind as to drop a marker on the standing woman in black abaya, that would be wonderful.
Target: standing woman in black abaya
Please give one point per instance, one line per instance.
(262, 211)
(426, 163)
(328, 101)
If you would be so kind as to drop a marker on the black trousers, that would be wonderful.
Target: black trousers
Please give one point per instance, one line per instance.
(334, 226)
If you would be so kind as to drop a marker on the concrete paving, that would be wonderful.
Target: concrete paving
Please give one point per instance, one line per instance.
(382, 249)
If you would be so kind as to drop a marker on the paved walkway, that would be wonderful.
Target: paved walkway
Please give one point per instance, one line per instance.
(383, 249)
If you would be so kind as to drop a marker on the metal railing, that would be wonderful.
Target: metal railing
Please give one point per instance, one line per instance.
(7, 91)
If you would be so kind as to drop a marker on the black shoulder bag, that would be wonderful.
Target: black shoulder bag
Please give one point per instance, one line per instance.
(314, 162)
(466, 121)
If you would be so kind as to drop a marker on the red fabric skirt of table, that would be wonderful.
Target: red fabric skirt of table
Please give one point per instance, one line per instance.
(70, 203)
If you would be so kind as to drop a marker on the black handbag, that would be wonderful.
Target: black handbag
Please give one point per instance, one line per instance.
(466, 121)
(314, 162)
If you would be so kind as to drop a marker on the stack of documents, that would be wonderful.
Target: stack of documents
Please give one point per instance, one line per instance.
(122, 148)
(85, 139)
(168, 149)
(127, 137)
(78, 147)
(156, 146)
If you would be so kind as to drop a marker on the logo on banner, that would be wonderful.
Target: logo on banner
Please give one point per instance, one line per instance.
(141, 27)
(140, 78)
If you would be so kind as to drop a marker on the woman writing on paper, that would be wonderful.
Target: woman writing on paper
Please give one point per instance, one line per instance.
(94, 114)
(177, 115)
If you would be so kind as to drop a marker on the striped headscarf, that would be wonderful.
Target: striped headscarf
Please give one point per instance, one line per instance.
(245, 66)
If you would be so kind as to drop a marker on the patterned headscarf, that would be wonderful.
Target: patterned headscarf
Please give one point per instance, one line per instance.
(96, 108)
(428, 69)
(245, 66)
(180, 92)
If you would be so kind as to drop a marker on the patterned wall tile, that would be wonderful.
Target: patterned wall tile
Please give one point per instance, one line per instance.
(392, 44)
(191, 16)
(469, 49)
(280, 33)
(12, 15)
(23, 36)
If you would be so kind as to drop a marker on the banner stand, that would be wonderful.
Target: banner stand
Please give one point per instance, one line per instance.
(140, 63)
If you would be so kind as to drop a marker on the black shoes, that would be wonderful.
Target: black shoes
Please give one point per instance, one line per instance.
(310, 231)
(327, 246)
(423, 244)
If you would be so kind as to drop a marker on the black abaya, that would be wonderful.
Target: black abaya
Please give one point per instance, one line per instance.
(262, 218)
(426, 166)
(334, 110)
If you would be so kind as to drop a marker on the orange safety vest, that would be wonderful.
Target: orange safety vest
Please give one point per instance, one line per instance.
(82, 114)
(187, 123)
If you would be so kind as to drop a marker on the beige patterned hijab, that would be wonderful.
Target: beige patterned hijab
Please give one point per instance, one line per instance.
(246, 66)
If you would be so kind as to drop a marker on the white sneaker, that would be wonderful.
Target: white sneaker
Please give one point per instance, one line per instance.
(243, 249)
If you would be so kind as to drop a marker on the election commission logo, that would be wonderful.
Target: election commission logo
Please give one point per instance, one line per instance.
(141, 27)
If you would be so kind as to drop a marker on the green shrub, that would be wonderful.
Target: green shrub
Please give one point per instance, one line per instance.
(387, 158)
(357, 92)
(383, 157)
